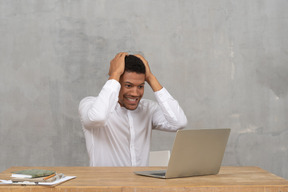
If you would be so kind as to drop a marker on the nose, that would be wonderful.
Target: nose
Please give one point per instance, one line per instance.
(135, 91)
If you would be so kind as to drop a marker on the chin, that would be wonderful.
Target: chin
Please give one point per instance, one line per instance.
(131, 107)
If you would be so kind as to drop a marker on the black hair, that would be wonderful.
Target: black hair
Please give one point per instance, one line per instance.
(134, 64)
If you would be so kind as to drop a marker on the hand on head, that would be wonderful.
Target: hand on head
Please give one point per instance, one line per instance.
(149, 77)
(147, 68)
(117, 66)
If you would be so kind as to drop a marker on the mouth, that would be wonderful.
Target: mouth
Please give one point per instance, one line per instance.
(132, 101)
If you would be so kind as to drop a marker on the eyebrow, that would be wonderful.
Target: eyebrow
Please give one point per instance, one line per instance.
(133, 84)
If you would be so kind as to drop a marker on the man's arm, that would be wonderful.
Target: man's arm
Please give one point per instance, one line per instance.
(169, 116)
(149, 77)
(95, 110)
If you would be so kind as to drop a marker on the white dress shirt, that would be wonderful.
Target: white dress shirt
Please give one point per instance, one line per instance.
(116, 136)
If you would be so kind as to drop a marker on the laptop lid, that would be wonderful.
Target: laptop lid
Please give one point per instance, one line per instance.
(195, 153)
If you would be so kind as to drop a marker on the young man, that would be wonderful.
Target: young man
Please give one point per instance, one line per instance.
(117, 124)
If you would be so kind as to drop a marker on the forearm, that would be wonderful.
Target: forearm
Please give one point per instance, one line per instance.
(115, 76)
(154, 83)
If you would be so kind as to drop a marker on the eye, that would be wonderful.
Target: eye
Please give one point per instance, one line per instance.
(141, 86)
(128, 85)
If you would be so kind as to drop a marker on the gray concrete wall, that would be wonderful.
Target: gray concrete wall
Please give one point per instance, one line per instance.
(225, 61)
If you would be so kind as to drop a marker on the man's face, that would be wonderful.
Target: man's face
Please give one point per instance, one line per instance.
(132, 89)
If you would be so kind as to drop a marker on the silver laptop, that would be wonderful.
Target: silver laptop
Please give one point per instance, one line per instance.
(194, 153)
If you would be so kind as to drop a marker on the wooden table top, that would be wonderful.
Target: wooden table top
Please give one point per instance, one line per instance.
(123, 179)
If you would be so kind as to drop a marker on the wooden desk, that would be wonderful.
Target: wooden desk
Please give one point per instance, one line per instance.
(236, 179)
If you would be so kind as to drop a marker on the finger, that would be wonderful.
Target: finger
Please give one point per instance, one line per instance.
(142, 58)
(121, 54)
(139, 56)
(117, 55)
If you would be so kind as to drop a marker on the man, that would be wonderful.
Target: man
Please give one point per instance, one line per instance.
(117, 124)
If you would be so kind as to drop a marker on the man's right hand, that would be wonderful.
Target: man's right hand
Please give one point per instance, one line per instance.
(117, 66)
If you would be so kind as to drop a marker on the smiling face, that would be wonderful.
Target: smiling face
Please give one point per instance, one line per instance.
(132, 89)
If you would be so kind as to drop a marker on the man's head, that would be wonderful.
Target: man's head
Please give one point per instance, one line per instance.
(132, 82)
(134, 64)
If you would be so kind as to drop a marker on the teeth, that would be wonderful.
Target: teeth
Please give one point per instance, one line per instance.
(131, 99)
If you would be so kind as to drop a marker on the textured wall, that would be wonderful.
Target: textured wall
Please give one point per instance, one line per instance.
(225, 61)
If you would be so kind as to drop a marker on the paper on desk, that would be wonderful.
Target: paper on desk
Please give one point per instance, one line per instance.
(2, 182)
(66, 178)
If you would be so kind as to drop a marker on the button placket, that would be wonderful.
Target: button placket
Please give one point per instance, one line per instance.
(132, 140)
